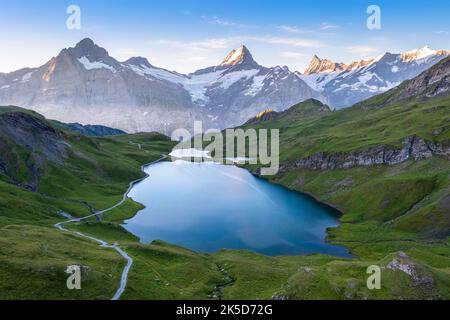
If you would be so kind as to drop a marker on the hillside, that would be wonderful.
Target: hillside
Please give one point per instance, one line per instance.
(300, 111)
(385, 163)
(95, 173)
(44, 171)
(89, 130)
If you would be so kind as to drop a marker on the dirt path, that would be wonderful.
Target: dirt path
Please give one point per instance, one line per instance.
(102, 243)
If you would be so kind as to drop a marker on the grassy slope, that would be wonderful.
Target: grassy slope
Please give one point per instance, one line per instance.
(33, 254)
(387, 208)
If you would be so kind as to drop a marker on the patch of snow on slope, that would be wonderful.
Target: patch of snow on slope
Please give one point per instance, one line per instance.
(197, 85)
(229, 79)
(94, 65)
(26, 77)
(257, 85)
(162, 74)
(318, 81)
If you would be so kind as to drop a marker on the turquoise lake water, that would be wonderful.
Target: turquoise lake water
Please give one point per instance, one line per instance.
(207, 207)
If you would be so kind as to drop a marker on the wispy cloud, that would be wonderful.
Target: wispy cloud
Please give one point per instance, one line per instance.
(328, 26)
(293, 42)
(441, 32)
(291, 54)
(224, 43)
(225, 23)
(208, 44)
(324, 27)
(362, 50)
(292, 29)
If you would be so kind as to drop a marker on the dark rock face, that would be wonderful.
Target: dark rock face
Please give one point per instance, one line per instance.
(30, 140)
(413, 148)
(434, 82)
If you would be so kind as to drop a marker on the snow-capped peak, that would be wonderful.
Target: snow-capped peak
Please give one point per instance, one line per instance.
(418, 54)
(237, 56)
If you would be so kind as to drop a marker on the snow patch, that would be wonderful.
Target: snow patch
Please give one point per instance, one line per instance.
(26, 77)
(229, 79)
(257, 85)
(94, 65)
(318, 81)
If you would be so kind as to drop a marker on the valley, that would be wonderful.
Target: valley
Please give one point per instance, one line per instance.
(395, 215)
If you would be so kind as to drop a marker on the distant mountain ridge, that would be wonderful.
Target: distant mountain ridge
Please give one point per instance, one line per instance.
(94, 130)
(345, 85)
(85, 84)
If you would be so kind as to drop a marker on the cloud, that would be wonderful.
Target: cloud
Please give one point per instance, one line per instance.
(291, 54)
(440, 32)
(224, 43)
(225, 23)
(208, 44)
(327, 26)
(291, 29)
(293, 42)
(297, 30)
(363, 50)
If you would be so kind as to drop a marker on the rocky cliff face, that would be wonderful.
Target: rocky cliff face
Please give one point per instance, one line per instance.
(26, 144)
(412, 148)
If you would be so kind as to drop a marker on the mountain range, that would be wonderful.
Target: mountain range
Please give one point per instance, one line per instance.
(85, 84)
(345, 85)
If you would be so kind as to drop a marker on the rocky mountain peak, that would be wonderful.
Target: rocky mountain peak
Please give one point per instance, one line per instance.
(318, 65)
(359, 64)
(87, 48)
(138, 61)
(238, 56)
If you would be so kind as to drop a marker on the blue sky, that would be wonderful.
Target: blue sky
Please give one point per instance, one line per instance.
(185, 35)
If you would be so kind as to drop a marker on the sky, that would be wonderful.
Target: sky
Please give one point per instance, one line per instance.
(186, 35)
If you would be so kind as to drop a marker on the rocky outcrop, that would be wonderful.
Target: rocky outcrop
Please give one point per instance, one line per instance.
(403, 263)
(412, 148)
(27, 142)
